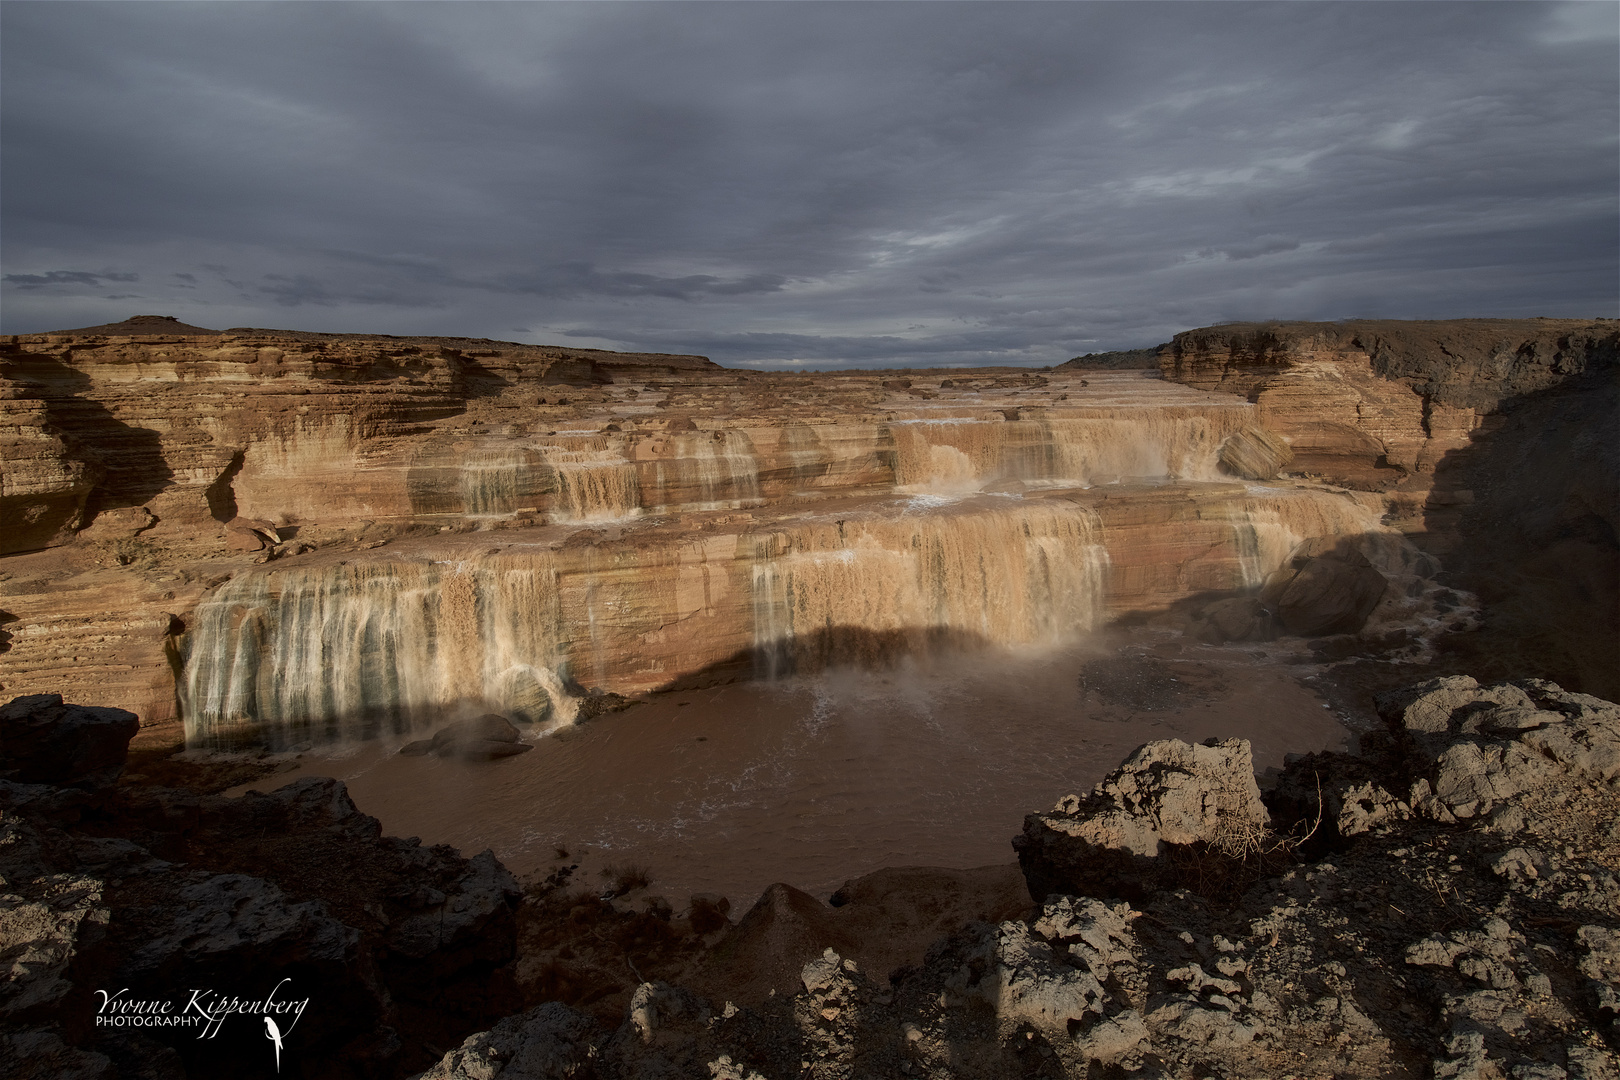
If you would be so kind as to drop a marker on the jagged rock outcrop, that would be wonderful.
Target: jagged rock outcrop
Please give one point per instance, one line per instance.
(1454, 912)
(161, 892)
(43, 741)
(549, 1042)
(1409, 941)
(1119, 839)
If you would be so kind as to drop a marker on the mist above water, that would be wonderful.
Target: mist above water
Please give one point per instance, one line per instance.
(813, 780)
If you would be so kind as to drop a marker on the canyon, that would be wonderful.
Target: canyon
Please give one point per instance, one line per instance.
(270, 545)
(203, 527)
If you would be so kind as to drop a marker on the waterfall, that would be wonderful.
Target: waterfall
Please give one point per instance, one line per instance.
(867, 591)
(595, 482)
(351, 651)
(707, 470)
(493, 481)
(772, 628)
(958, 455)
(388, 643)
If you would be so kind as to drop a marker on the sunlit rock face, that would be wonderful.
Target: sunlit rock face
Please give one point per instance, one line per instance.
(1491, 443)
(391, 641)
(476, 525)
(1374, 405)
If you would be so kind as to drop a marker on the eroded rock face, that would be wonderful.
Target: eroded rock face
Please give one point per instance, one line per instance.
(216, 455)
(1255, 454)
(161, 892)
(1487, 440)
(163, 460)
(1327, 587)
(43, 741)
(1166, 795)
(1398, 939)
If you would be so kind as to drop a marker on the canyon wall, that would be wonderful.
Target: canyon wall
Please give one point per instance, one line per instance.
(278, 531)
(1492, 442)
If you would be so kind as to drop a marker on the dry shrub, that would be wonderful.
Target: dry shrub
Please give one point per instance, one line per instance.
(626, 878)
(1242, 850)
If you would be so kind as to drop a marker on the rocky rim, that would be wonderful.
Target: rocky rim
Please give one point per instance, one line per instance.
(1443, 903)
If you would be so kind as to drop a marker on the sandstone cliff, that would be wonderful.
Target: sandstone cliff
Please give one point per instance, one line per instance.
(1491, 443)
(687, 522)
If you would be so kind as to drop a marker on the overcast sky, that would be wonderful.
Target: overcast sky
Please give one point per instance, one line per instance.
(807, 185)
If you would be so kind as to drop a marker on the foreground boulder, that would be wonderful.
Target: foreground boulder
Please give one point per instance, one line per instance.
(483, 738)
(149, 894)
(549, 1042)
(1118, 840)
(1454, 913)
(43, 741)
(1327, 587)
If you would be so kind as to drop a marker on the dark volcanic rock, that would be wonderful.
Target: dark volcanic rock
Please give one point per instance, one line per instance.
(43, 741)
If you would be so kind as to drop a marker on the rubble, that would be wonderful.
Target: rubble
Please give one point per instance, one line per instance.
(1443, 904)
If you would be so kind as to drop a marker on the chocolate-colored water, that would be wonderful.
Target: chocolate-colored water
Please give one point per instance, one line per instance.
(814, 780)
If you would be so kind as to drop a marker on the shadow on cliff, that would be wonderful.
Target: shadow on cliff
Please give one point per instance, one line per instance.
(127, 461)
(1527, 517)
(834, 646)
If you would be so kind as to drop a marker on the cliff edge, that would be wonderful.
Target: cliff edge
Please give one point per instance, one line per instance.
(1443, 904)
(1490, 442)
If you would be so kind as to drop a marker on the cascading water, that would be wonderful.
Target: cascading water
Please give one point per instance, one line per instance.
(959, 455)
(595, 482)
(386, 645)
(493, 481)
(353, 651)
(707, 471)
(1117, 506)
(865, 592)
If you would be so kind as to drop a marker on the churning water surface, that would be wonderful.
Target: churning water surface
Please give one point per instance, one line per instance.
(817, 779)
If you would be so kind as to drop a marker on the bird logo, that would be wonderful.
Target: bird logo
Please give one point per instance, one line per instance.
(273, 1033)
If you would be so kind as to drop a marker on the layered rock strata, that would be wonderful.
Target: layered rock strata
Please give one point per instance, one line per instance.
(1491, 443)
(677, 521)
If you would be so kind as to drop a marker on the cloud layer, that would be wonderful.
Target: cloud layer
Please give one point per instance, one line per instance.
(810, 185)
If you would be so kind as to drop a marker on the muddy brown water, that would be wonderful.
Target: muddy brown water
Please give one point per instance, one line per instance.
(815, 780)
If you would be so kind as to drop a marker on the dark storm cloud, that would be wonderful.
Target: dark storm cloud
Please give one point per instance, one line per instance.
(63, 277)
(809, 184)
